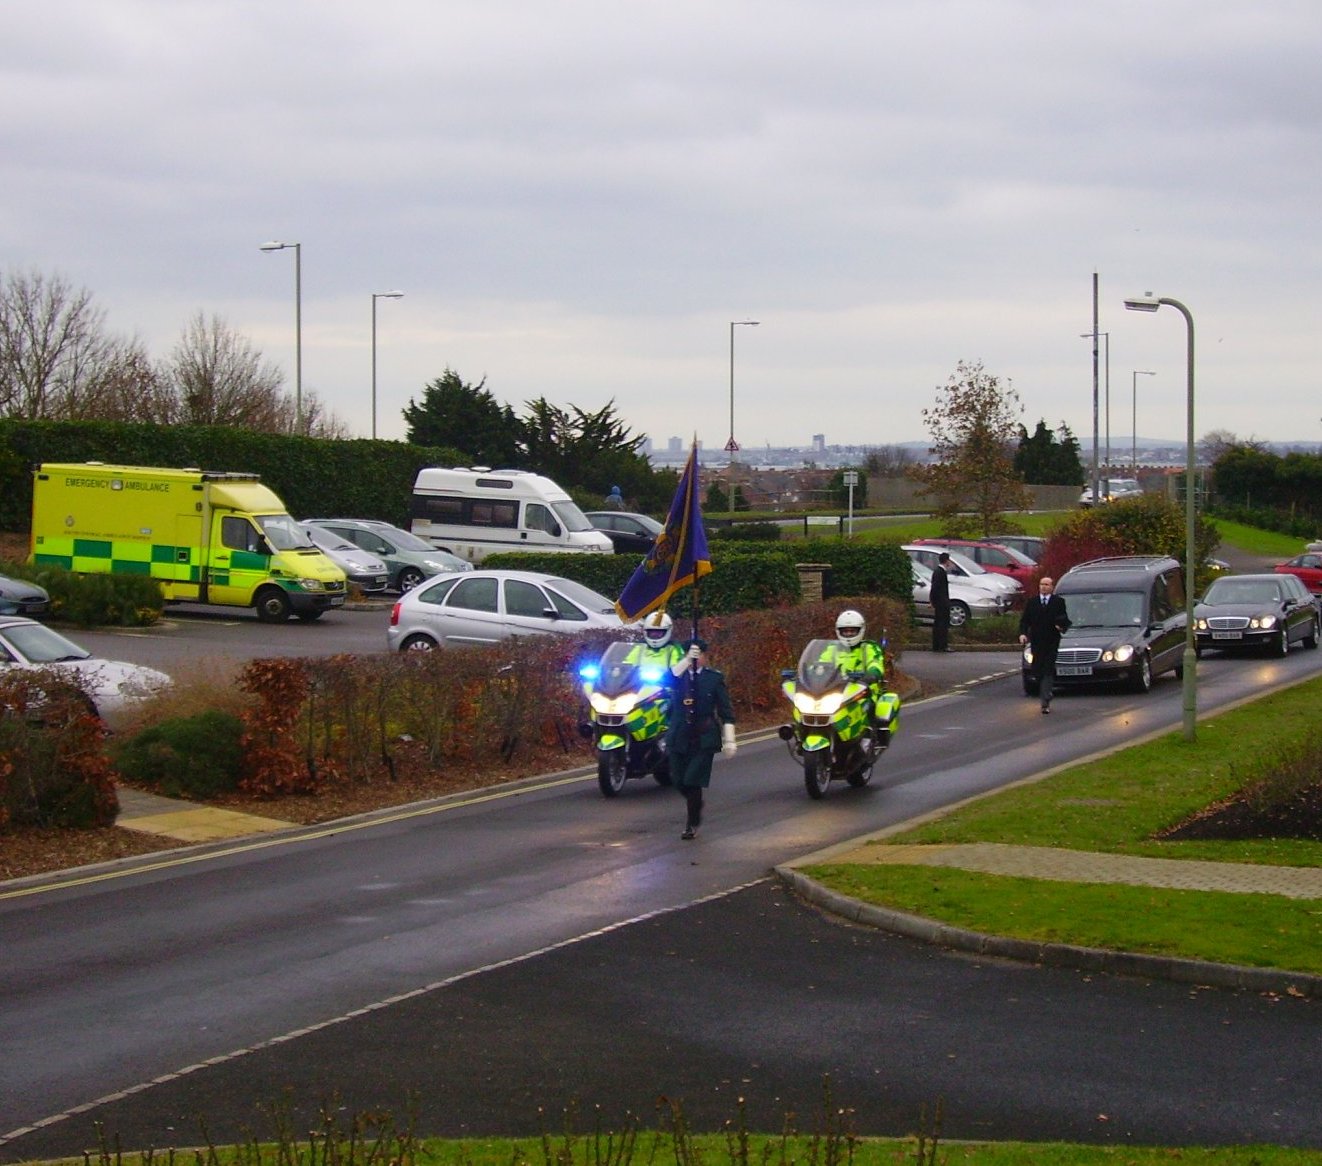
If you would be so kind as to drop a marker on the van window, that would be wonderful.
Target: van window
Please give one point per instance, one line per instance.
(239, 535)
(502, 514)
(538, 517)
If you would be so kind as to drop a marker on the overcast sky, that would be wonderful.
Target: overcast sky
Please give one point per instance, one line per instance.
(577, 198)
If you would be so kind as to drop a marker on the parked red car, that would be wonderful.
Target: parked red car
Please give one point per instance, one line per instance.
(1307, 567)
(990, 555)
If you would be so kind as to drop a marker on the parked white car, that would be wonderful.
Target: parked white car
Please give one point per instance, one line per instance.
(485, 607)
(962, 567)
(110, 684)
(966, 601)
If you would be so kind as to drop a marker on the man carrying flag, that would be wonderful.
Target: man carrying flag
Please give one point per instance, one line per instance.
(703, 719)
(678, 558)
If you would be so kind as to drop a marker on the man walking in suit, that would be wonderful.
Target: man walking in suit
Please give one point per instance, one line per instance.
(1042, 624)
(939, 597)
(701, 725)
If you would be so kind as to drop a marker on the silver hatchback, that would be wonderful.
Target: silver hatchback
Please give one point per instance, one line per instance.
(486, 607)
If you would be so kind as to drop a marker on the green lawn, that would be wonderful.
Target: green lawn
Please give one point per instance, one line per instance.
(1116, 804)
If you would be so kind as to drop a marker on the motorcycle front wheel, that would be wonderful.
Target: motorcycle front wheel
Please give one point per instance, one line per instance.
(816, 773)
(612, 771)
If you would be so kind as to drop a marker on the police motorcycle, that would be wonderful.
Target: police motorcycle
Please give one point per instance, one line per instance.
(628, 710)
(831, 733)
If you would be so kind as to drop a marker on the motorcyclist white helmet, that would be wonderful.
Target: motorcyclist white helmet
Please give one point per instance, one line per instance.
(656, 629)
(849, 628)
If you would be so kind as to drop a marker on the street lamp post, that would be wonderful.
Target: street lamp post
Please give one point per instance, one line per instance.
(732, 446)
(298, 326)
(1093, 337)
(390, 295)
(1150, 303)
(1133, 449)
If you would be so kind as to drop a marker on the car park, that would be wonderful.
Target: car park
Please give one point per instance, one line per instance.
(486, 607)
(1256, 611)
(360, 568)
(408, 559)
(966, 601)
(111, 685)
(1128, 623)
(990, 556)
(961, 566)
(1031, 546)
(1306, 567)
(19, 597)
(631, 534)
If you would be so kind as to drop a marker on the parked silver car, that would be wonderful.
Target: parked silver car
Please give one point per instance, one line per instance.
(408, 558)
(360, 568)
(485, 607)
(966, 601)
(963, 567)
(19, 597)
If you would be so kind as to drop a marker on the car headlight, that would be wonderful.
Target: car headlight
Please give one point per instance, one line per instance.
(1121, 655)
(1265, 622)
(1200, 624)
(311, 584)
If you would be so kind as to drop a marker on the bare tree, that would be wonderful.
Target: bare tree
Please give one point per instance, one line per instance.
(56, 360)
(218, 378)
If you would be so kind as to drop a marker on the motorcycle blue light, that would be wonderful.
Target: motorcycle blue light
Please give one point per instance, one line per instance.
(650, 675)
(589, 671)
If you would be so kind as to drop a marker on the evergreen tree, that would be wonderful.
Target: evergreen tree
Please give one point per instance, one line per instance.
(467, 417)
(1049, 459)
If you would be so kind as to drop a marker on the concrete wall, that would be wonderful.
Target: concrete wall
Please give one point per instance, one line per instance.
(902, 494)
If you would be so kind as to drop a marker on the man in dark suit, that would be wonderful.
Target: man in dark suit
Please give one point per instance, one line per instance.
(701, 724)
(939, 597)
(1042, 624)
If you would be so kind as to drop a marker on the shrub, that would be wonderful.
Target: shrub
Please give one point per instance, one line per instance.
(746, 532)
(191, 757)
(107, 600)
(53, 770)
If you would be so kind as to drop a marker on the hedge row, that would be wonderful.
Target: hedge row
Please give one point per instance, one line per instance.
(313, 477)
(748, 578)
(477, 715)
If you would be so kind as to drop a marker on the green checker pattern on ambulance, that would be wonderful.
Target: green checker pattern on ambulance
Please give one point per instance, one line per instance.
(99, 556)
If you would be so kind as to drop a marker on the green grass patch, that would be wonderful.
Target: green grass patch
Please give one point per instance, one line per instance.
(1117, 804)
(1204, 925)
(1254, 541)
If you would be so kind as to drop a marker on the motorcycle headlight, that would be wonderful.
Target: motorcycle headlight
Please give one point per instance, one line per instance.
(828, 705)
(618, 704)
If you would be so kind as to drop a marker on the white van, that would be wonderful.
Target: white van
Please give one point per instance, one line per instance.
(477, 512)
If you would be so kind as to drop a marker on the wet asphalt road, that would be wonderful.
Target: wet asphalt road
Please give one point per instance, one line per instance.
(752, 999)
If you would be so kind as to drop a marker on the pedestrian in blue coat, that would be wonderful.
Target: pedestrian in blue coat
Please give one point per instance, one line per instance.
(701, 724)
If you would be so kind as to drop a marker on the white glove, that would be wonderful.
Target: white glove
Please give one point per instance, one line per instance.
(680, 666)
(728, 744)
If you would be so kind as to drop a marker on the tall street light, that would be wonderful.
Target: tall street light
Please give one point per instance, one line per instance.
(1133, 452)
(390, 295)
(1150, 303)
(1093, 337)
(298, 326)
(732, 446)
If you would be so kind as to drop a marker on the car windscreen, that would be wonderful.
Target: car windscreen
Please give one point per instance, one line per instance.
(1258, 591)
(406, 541)
(585, 597)
(571, 517)
(40, 645)
(1104, 609)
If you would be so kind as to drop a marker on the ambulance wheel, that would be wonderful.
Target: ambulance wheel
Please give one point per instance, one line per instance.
(272, 605)
(816, 775)
(612, 771)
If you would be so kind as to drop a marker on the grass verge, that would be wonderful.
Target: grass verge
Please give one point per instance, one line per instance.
(1118, 804)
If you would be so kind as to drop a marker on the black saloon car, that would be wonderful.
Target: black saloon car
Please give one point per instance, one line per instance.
(632, 534)
(1256, 611)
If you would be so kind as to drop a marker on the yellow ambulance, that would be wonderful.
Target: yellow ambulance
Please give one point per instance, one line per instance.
(205, 537)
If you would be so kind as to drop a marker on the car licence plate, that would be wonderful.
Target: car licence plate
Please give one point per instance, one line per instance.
(337, 601)
(1074, 670)
(1227, 635)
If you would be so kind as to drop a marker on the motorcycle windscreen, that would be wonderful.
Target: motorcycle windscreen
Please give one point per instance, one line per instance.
(619, 669)
(819, 669)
